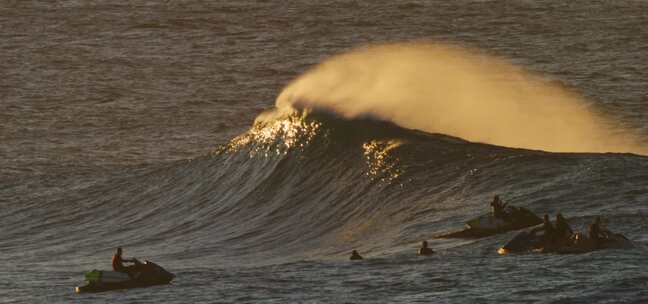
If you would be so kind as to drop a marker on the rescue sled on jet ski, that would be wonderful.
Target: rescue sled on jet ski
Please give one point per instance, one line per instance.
(533, 241)
(144, 275)
(512, 218)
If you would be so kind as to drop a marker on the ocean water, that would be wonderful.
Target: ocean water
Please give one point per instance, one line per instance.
(132, 123)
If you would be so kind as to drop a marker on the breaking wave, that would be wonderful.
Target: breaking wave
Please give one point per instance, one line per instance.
(450, 90)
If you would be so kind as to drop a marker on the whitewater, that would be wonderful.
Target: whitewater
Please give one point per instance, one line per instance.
(249, 147)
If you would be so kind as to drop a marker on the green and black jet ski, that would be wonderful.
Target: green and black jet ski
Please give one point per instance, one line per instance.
(513, 218)
(143, 275)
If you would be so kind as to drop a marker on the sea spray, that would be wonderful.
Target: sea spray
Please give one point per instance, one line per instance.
(446, 89)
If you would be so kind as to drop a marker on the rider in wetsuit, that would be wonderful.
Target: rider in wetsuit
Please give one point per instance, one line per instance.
(355, 255)
(595, 230)
(497, 207)
(549, 231)
(563, 231)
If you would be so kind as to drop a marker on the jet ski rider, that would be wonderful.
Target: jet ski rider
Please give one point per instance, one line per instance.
(497, 207)
(595, 231)
(563, 231)
(117, 263)
(425, 250)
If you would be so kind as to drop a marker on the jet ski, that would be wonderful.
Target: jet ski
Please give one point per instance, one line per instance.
(533, 241)
(513, 218)
(525, 241)
(143, 275)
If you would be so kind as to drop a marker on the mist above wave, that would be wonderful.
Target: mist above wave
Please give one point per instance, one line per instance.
(446, 89)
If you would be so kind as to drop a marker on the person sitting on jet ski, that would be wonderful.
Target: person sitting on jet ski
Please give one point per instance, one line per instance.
(563, 231)
(425, 250)
(117, 263)
(497, 207)
(595, 230)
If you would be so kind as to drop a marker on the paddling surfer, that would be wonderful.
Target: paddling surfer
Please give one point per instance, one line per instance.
(355, 256)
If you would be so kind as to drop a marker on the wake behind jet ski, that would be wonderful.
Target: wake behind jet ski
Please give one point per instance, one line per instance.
(538, 240)
(138, 275)
(503, 218)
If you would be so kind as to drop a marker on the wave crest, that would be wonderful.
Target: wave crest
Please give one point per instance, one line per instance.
(446, 89)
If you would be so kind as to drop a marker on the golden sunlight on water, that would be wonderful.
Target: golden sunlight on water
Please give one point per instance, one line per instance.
(294, 132)
(450, 90)
(380, 163)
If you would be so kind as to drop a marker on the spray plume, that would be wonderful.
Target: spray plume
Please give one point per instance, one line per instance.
(447, 89)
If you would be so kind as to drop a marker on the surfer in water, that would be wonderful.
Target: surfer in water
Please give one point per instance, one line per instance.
(425, 250)
(118, 263)
(497, 207)
(355, 255)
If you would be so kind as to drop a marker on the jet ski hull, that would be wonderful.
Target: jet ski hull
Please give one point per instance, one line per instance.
(532, 241)
(611, 241)
(525, 241)
(100, 287)
(487, 225)
(148, 274)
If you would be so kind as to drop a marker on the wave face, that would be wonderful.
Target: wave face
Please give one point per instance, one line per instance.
(297, 192)
(102, 104)
(313, 186)
(446, 89)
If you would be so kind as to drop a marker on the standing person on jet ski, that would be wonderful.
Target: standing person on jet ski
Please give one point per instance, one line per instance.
(497, 207)
(117, 263)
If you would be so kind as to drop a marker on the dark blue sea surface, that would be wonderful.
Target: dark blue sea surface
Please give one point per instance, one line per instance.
(132, 123)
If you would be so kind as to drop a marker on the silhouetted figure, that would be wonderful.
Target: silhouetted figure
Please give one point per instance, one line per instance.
(118, 263)
(595, 230)
(549, 231)
(424, 250)
(497, 207)
(563, 231)
(355, 256)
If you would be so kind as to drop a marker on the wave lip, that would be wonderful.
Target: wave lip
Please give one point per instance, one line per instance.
(450, 90)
